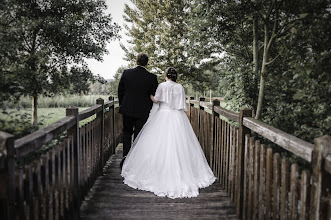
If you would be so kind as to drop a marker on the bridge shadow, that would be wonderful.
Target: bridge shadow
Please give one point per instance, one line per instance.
(110, 198)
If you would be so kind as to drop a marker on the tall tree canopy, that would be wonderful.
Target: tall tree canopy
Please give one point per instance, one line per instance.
(272, 56)
(40, 39)
(163, 30)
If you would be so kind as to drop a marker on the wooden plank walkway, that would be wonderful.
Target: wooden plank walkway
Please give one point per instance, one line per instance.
(110, 198)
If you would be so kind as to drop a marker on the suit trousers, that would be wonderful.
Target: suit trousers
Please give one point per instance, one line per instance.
(131, 126)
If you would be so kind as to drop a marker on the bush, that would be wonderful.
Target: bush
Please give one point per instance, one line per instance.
(18, 123)
(59, 101)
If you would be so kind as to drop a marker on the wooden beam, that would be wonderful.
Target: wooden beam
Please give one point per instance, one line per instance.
(194, 102)
(206, 105)
(243, 131)
(89, 112)
(289, 142)
(226, 113)
(109, 103)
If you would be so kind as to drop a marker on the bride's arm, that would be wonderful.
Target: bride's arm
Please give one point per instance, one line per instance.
(153, 100)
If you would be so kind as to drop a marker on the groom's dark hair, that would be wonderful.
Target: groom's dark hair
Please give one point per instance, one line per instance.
(142, 59)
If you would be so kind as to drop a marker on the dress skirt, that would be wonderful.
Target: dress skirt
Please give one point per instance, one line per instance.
(166, 157)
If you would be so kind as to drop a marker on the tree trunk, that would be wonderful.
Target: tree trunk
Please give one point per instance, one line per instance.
(255, 54)
(263, 72)
(34, 110)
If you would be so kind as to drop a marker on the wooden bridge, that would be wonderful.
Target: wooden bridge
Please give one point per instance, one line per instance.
(70, 170)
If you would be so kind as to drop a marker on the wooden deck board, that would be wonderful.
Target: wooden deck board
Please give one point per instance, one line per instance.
(110, 198)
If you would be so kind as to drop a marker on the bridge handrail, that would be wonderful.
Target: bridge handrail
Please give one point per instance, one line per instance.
(33, 141)
(68, 165)
(218, 109)
(259, 181)
(289, 142)
(89, 112)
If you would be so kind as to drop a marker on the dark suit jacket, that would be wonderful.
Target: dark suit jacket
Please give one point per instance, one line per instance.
(134, 90)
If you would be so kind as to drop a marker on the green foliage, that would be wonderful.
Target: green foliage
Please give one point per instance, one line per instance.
(58, 101)
(113, 85)
(164, 30)
(39, 39)
(211, 43)
(18, 123)
(297, 84)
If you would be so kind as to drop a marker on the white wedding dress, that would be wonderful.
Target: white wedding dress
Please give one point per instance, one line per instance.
(166, 157)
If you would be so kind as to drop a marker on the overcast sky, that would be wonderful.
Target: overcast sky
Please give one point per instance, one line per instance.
(113, 60)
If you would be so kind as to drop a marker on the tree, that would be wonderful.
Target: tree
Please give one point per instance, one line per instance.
(291, 41)
(164, 30)
(48, 36)
(113, 85)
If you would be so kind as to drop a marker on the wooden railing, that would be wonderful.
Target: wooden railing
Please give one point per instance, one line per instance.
(46, 175)
(259, 182)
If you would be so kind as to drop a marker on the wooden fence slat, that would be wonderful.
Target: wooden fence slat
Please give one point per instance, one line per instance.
(219, 146)
(250, 168)
(293, 192)
(31, 193)
(72, 172)
(237, 170)
(284, 189)
(87, 157)
(214, 167)
(64, 176)
(256, 203)
(52, 211)
(262, 187)
(46, 186)
(213, 136)
(39, 189)
(246, 161)
(227, 155)
(233, 165)
(218, 156)
(21, 193)
(305, 181)
(268, 183)
(59, 181)
(92, 150)
(276, 184)
(222, 153)
(69, 186)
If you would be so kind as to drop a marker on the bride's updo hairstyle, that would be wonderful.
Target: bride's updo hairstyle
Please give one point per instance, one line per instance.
(171, 74)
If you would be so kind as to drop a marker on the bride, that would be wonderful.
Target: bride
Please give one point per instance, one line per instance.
(166, 157)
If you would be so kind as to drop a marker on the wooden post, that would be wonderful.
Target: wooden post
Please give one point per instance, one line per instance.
(214, 116)
(7, 176)
(74, 133)
(101, 115)
(111, 98)
(241, 157)
(201, 99)
(191, 105)
(322, 147)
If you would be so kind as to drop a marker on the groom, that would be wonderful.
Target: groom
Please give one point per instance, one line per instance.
(134, 90)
